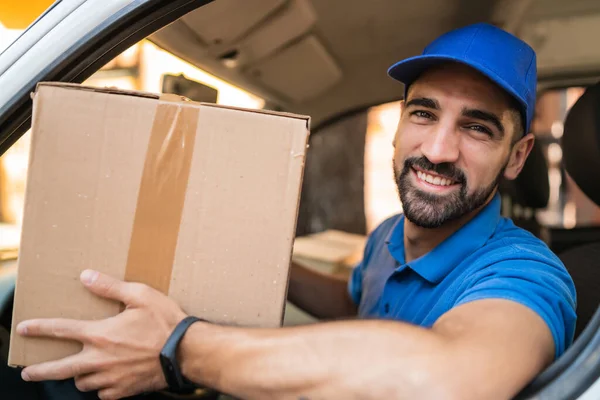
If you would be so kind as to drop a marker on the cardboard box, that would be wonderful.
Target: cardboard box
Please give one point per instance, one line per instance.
(197, 200)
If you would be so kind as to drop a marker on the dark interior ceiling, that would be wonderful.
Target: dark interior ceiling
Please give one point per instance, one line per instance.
(326, 57)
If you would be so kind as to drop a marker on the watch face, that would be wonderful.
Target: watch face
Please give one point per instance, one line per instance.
(168, 360)
(169, 371)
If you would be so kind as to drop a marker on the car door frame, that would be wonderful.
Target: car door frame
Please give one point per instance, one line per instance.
(107, 34)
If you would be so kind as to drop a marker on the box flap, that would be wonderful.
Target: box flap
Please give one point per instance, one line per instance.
(111, 90)
(167, 97)
(263, 111)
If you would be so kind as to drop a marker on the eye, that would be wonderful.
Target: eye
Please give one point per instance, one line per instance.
(422, 114)
(481, 129)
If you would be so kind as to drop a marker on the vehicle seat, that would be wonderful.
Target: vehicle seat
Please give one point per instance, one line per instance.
(581, 158)
(522, 197)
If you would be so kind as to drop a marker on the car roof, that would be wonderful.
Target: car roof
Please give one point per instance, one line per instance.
(325, 58)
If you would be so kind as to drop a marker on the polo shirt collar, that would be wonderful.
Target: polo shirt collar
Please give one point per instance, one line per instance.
(438, 263)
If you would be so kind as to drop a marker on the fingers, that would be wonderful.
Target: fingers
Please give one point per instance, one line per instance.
(115, 289)
(104, 285)
(65, 368)
(113, 384)
(93, 381)
(110, 394)
(107, 286)
(114, 393)
(54, 327)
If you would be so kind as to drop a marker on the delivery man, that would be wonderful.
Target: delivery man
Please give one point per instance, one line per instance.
(454, 301)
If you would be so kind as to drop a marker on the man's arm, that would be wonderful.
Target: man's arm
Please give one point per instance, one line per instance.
(321, 295)
(481, 350)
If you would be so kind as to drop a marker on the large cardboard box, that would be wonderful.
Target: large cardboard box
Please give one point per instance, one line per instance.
(197, 200)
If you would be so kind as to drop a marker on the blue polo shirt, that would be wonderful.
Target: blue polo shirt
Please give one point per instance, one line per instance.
(489, 257)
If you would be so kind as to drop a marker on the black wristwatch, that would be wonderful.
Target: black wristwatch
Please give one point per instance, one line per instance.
(168, 359)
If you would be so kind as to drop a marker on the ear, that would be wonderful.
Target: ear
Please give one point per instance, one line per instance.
(518, 156)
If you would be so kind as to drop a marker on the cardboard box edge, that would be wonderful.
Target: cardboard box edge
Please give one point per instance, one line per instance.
(166, 97)
(295, 224)
(13, 329)
(107, 90)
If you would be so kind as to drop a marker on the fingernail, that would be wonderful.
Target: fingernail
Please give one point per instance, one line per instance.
(25, 375)
(88, 276)
(22, 329)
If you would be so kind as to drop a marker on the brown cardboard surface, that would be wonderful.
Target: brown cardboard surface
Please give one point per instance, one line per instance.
(331, 251)
(86, 207)
(112, 90)
(331, 246)
(162, 192)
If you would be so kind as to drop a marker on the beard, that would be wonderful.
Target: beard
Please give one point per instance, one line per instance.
(429, 210)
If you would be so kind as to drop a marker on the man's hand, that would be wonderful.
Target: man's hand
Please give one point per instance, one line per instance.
(120, 355)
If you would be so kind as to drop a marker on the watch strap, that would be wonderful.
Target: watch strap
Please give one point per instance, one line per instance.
(168, 357)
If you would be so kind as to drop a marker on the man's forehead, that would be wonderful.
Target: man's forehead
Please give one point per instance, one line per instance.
(459, 81)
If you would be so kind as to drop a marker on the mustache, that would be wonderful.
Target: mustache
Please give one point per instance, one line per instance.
(445, 169)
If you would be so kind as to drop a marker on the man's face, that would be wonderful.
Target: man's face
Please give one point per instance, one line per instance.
(454, 144)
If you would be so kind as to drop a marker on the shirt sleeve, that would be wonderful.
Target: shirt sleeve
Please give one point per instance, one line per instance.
(544, 287)
(375, 241)
(355, 283)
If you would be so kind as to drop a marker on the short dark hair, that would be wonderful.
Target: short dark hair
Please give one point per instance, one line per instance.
(519, 119)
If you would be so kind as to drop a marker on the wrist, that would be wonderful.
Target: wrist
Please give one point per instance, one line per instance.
(189, 353)
(168, 357)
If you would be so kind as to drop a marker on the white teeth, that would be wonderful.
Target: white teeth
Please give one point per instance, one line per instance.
(434, 180)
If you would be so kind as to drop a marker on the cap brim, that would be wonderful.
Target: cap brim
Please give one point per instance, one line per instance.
(407, 71)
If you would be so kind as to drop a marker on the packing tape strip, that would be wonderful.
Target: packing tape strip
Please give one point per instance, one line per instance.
(161, 196)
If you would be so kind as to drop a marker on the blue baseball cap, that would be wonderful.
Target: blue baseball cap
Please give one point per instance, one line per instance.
(502, 57)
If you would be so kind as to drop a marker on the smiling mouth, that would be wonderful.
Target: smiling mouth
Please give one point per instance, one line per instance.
(435, 180)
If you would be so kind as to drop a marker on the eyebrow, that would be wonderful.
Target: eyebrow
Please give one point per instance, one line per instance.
(484, 116)
(424, 102)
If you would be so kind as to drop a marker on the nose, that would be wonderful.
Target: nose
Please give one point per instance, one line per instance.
(441, 145)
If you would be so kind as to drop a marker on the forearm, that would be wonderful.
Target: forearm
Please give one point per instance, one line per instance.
(338, 360)
(321, 295)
